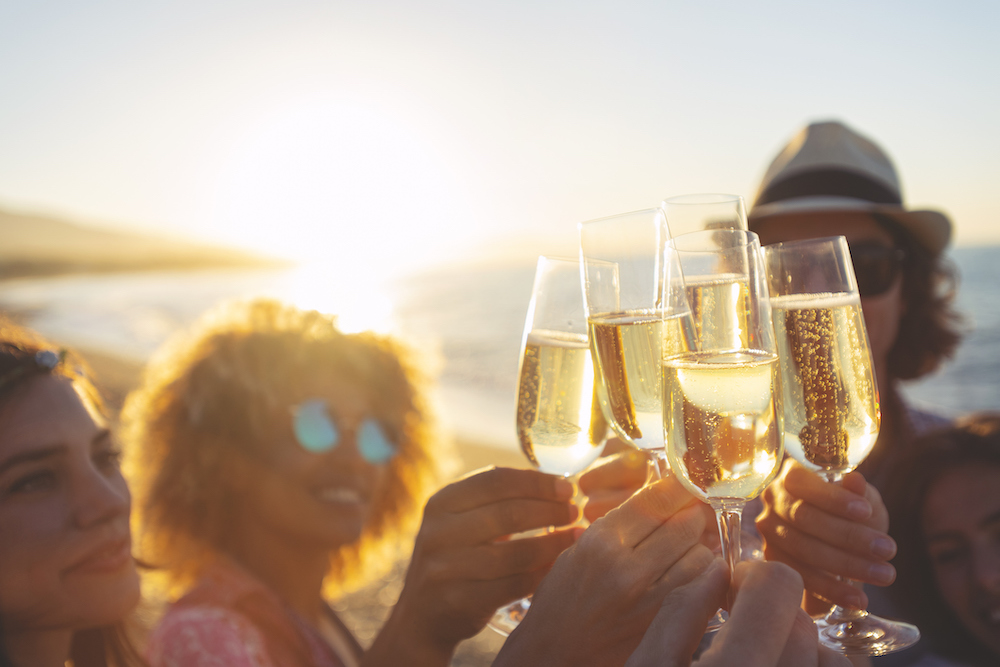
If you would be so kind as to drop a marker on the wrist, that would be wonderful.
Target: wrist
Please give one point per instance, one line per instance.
(402, 640)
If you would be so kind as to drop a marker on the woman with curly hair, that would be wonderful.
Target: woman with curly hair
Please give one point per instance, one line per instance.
(68, 582)
(278, 462)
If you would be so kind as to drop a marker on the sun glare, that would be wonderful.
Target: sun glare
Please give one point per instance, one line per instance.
(314, 286)
(343, 183)
(356, 195)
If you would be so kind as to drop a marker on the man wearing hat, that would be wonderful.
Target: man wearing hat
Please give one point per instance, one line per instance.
(831, 181)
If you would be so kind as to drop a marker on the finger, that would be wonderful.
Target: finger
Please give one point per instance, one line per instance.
(835, 499)
(850, 535)
(767, 603)
(802, 647)
(626, 470)
(688, 567)
(502, 559)
(492, 485)
(837, 551)
(672, 539)
(600, 503)
(820, 583)
(674, 634)
(488, 523)
(644, 512)
(880, 517)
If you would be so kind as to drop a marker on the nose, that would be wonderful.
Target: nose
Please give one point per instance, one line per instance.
(100, 498)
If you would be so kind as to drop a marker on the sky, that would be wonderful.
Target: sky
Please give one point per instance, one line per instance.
(404, 133)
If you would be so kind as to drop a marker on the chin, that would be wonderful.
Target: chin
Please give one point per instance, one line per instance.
(110, 601)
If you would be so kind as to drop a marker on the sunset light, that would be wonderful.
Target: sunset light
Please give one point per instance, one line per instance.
(339, 183)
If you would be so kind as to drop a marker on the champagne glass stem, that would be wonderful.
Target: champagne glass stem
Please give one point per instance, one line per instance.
(658, 464)
(729, 515)
(840, 614)
(579, 500)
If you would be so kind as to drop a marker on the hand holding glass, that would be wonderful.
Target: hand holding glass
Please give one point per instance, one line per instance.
(559, 421)
(831, 400)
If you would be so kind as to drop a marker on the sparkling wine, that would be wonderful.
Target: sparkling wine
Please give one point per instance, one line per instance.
(722, 415)
(629, 348)
(559, 421)
(831, 401)
(720, 308)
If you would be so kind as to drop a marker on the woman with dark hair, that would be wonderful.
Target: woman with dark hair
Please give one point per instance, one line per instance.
(68, 582)
(831, 181)
(945, 503)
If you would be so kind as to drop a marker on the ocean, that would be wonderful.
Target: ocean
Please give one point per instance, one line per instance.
(466, 320)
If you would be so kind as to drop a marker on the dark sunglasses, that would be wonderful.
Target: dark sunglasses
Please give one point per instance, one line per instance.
(876, 267)
(316, 431)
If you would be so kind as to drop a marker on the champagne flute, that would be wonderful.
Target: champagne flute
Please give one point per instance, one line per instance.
(619, 262)
(721, 395)
(693, 213)
(831, 400)
(559, 421)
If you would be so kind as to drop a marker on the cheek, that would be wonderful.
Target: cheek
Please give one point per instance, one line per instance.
(882, 315)
(35, 538)
(952, 582)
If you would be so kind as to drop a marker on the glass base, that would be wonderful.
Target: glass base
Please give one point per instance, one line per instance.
(507, 618)
(869, 635)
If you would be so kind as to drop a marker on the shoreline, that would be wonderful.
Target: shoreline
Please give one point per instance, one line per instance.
(116, 376)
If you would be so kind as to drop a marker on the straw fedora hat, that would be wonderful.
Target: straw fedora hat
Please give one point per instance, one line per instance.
(828, 167)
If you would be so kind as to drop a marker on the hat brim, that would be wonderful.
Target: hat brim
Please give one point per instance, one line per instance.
(932, 229)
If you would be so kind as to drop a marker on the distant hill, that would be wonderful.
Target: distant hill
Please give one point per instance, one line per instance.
(36, 245)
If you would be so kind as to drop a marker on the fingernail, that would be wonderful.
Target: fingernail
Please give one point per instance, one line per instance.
(859, 509)
(882, 572)
(564, 488)
(883, 547)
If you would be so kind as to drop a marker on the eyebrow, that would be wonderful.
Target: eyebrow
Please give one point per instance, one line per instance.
(32, 456)
(945, 535)
(35, 455)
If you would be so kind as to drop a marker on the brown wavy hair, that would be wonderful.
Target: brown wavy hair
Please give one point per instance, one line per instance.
(930, 328)
(113, 645)
(212, 392)
(974, 440)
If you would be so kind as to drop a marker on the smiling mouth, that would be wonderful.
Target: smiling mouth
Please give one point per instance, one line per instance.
(340, 495)
(108, 558)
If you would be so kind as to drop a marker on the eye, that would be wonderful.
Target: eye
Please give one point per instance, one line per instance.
(34, 482)
(946, 556)
(108, 460)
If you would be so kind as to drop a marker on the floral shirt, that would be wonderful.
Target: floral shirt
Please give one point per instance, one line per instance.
(230, 619)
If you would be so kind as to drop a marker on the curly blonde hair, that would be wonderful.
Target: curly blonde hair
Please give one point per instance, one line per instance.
(212, 392)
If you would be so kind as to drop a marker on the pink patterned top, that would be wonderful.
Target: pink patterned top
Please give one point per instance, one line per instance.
(230, 619)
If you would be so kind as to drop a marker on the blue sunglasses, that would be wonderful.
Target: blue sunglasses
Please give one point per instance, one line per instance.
(316, 431)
